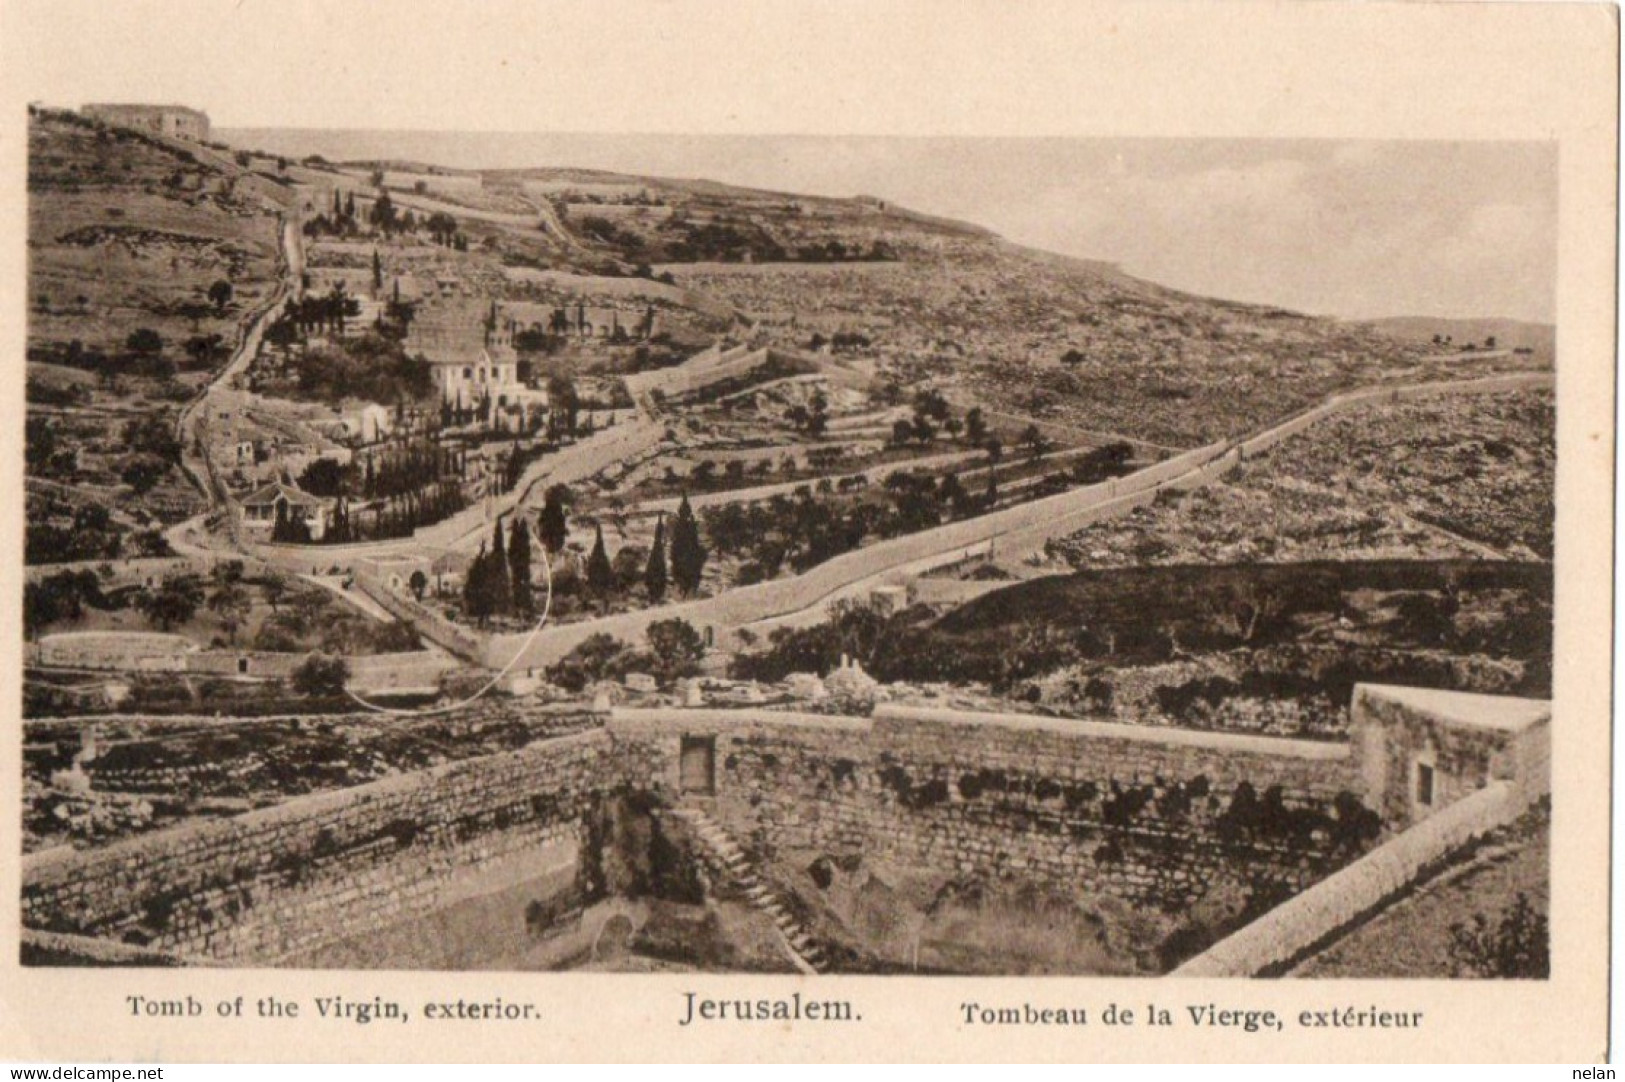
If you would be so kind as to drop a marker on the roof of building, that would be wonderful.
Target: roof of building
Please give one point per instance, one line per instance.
(455, 333)
(145, 106)
(268, 494)
(1466, 709)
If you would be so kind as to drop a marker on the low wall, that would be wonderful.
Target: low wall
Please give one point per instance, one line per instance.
(113, 651)
(315, 869)
(1488, 758)
(1288, 931)
(372, 672)
(146, 652)
(465, 642)
(1156, 817)
(398, 672)
(55, 949)
(603, 449)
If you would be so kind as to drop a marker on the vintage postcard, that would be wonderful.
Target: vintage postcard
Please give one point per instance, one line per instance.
(795, 531)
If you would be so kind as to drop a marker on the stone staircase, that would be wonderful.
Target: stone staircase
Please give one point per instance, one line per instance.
(725, 856)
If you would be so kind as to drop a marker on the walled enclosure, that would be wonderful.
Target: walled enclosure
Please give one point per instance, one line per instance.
(1152, 816)
(151, 652)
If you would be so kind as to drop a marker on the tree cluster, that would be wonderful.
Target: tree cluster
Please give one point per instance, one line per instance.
(808, 528)
(674, 651)
(371, 367)
(91, 534)
(62, 596)
(175, 601)
(320, 676)
(499, 580)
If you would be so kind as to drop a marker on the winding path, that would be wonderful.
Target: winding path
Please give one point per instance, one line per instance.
(190, 538)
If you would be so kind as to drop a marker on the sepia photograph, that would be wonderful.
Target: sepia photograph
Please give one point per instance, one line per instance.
(490, 548)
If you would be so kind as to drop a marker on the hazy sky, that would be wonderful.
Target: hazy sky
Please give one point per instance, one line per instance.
(1353, 228)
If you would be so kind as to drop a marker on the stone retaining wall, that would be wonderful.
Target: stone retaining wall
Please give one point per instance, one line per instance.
(1488, 759)
(1156, 817)
(1149, 815)
(465, 642)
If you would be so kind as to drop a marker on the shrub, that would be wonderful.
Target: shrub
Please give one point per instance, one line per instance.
(1514, 946)
(320, 675)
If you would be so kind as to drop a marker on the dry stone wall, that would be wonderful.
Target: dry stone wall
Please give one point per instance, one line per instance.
(307, 872)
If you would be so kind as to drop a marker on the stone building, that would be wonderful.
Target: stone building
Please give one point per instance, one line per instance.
(472, 356)
(261, 509)
(176, 121)
(1421, 749)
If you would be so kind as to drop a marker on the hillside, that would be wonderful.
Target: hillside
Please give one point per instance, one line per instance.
(144, 259)
(895, 306)
(919, 300)
(937, 303)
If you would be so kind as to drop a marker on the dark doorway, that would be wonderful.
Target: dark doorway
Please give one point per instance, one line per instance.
(1424, 785)
(697, 765)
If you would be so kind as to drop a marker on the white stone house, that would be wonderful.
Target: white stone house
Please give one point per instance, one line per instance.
(261, 509)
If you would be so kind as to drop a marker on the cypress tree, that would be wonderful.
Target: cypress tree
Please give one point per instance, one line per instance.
(600, 575)
(476, 588)
(687, 554)
(553, 528)
(501, 591)
(654, 575)
(514, 469)
(519, 567)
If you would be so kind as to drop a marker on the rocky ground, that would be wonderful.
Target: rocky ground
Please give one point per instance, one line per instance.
(1415, 937)
(1456, 476)
(149, 773)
